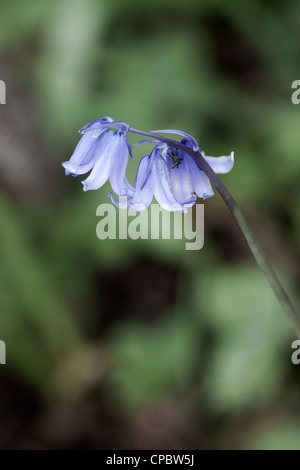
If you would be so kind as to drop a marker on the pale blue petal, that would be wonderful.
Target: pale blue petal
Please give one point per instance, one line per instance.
(161, 147)
(84, 150)
(143, 191)
(100, 172)
(221, 164)
(162, 187)
(75, 170)
(181, 181)
(88, 161)
(119, 160)
(200, 182)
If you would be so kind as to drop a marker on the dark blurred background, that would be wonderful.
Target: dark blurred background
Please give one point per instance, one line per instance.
(141, 344)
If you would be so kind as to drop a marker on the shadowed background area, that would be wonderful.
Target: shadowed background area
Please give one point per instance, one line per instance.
(140, 344)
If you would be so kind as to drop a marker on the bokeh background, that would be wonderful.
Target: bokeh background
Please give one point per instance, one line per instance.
(142, 344)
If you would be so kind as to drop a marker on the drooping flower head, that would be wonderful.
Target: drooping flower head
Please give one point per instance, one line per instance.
(105, 152)
(169, 174)
(173, 177)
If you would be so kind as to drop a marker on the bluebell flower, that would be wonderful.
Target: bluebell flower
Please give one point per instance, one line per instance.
(173, 177)
(105, 152)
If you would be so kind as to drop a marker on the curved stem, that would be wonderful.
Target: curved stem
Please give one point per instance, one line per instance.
(249, 236)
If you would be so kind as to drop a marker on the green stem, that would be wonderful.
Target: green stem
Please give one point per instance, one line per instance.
(249, 236)
(267, 269)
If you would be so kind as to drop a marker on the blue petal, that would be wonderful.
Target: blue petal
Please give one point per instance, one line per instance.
(221, 164)
(84, 150)
(163, 191)
(181, 181)
(101, 170)
(156, 152)
(88, 161)
(143, 191)
(119, 161)
(143, 194)
(191, 139)
(200, 181)
(75, 170)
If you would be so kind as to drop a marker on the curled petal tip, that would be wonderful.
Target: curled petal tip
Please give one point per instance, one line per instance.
(87, 186)
(207, 196)
(222, 164)
(110, 197)
(65, 165)
(84, 186)
(122, 203)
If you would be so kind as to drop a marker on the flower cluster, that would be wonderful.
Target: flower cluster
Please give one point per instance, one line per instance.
(169, 174)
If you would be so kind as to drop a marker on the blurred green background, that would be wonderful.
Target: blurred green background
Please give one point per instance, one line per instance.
(141, 344)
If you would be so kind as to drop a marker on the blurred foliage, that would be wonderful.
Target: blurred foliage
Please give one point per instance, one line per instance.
(223, 73)
(168, 364)
(284, 435)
